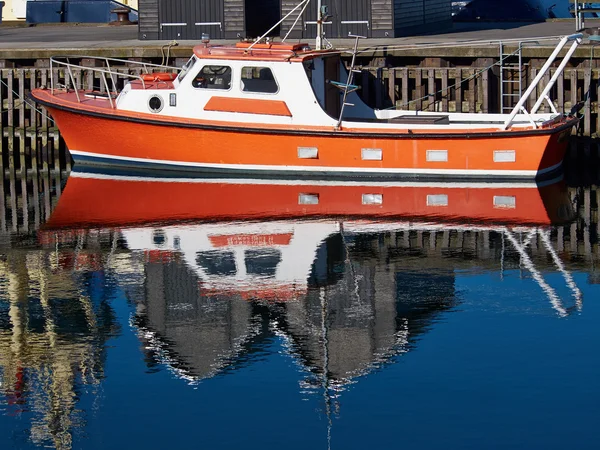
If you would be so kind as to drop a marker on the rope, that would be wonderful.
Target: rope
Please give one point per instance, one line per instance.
(24, 101)
(162, 51)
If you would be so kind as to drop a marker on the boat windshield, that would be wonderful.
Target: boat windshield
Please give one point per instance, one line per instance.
(186, 68)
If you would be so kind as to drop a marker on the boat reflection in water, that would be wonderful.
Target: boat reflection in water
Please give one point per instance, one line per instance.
(346, 275)
(230, 263)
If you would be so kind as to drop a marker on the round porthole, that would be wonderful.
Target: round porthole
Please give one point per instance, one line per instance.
(155, 103)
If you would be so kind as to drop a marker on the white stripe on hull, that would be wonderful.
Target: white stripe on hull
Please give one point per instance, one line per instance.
(310, 182)
(308, 169)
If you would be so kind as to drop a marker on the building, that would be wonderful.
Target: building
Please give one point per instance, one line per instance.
(52, 11)
(233, 19)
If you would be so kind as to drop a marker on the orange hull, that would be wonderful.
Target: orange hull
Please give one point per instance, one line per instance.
(99, 135)
(99, 200)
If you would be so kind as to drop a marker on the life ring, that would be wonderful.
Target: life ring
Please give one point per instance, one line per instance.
(159, 76)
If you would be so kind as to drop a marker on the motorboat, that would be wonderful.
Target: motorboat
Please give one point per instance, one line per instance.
(266, 108)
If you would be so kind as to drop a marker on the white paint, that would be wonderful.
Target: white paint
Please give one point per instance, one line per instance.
(372, 199)
(437, 200)
(505, 201)
(501, 156)
(437, 156)
(292, 270)
(308, 152)
(305, 102)
(303, 182)
(308, 199)
(371, 154)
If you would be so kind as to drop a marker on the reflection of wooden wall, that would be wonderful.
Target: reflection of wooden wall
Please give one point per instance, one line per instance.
(26, 202)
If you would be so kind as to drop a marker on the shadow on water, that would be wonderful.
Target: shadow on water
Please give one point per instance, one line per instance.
(348, 286)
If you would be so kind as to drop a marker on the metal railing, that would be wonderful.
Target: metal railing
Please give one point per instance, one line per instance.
(519, 107)
(107, 68)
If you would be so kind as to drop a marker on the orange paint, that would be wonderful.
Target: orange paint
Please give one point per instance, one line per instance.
(247, 105)
(250, 240)
(193, 141)
(159, 76)
(89, 202)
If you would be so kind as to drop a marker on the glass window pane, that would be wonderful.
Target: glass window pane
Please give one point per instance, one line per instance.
(213, 77)
(259, 79)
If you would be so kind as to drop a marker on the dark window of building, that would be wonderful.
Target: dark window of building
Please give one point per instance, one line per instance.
(213, 77)
(258, 79)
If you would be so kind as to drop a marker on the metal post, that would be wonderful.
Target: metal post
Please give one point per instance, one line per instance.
(319, 38)
(559, 70)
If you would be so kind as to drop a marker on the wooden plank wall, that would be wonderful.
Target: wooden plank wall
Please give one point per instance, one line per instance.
(421, 15)
(234, 18)
(382, 17)
(437, 11)
(148, 20)
(408, 14)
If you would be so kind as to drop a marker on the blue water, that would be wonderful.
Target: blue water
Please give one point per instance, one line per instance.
(106, 343)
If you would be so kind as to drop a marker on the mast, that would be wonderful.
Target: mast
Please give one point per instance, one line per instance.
(319, 38)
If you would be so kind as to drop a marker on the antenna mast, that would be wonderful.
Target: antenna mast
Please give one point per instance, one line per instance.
(319, 39)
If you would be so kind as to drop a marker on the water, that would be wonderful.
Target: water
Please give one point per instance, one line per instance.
(235, 314)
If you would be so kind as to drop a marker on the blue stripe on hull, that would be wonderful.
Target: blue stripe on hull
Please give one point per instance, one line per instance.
(106, 164)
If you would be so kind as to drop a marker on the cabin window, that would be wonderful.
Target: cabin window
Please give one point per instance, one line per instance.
(258, 79)
(186, 68)
(213, 77)
(262, 261)
(216, 262)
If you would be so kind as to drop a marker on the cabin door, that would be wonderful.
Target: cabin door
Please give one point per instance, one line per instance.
(189, 19)
(332, 93)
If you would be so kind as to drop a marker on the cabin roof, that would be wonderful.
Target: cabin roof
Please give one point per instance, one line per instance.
(271, 51)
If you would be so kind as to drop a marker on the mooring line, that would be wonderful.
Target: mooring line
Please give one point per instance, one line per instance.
(23, 101)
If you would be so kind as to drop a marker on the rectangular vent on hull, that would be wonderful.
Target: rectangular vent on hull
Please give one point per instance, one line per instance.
(371, 154)
(505, 156)
(372, 199)
(308, 152)
(505, 201)
(308, 199)
(437, 155)
(437, 200)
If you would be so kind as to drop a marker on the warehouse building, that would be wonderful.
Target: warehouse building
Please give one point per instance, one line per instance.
(231, 19)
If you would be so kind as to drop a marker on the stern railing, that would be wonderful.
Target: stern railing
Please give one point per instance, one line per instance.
(520, 106)
(107, 68)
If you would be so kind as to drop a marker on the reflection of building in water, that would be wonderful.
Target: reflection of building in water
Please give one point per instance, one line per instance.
(374, 312)
(354, 314)
(53, 327)
(197, 335)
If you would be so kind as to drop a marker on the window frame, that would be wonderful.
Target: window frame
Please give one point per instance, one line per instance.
(258, 92)
(213, 88)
